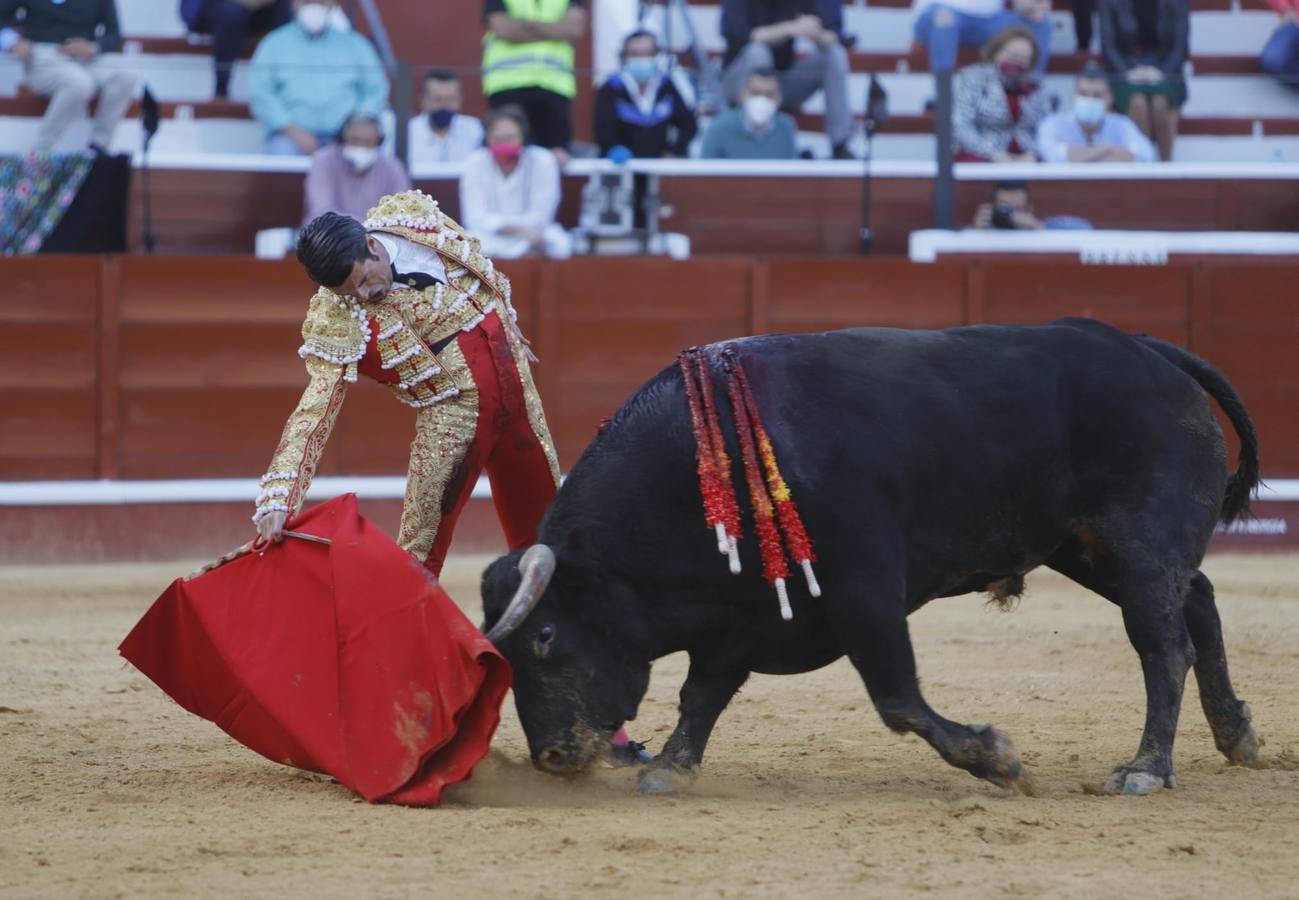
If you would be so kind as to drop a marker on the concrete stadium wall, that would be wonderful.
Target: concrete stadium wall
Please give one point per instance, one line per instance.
(197, 212)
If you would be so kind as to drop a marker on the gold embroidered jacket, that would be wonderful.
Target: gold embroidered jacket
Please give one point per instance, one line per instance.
(388, 339)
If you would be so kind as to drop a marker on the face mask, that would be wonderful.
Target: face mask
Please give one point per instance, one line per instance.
(361, 158)
(641, 68)
(505, 152)
(441, 118)
(313, 17)
(1088, 110)
(1012, 72)
(338, 20)
(759, 110)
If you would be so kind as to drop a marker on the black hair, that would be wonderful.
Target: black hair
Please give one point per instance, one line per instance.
(514, 114)
(329, 246)
(362, 116)
(441, 75)
(638, 33)
(1092, 71)
(763, 72)
(1017, 184)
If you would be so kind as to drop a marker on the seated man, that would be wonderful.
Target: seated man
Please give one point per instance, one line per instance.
(231, 23)
(1012, 210)
(756, 129)
(640, 108)
(760, 35)
(69, 54)
(1090, 132)
(308, 77)
(349, 176)
(509, 192)
(944, 26)
(441, 133)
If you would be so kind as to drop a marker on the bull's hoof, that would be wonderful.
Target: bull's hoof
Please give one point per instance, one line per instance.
(1137, 783)
(1245, 751)
(661, 780)
(998, 761)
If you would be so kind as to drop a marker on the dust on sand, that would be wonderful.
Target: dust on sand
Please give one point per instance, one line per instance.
(109, 789)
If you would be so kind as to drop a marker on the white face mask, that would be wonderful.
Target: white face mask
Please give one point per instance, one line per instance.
(361, 158)
(759, 110)
(1089, 110)
(313, 17)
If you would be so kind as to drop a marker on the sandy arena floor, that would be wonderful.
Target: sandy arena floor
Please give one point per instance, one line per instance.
(107, 789)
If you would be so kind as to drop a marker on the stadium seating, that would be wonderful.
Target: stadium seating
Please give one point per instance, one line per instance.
(1235, 113)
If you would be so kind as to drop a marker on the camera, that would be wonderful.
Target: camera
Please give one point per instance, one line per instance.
(1003, 216)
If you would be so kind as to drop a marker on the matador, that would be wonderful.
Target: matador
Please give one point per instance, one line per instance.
(408, 299)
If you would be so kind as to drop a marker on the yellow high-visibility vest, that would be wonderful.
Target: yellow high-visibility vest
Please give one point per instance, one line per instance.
(543, 64)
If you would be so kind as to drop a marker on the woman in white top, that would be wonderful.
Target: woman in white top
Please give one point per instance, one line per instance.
(509, 193)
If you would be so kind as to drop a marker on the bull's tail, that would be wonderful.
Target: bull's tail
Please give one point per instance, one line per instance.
(1244, 480)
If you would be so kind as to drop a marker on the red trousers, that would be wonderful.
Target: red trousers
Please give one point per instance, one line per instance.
(497, 427)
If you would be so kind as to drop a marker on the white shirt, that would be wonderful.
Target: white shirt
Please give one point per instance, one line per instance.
(408, 256)
(528, 196)
(463, 136)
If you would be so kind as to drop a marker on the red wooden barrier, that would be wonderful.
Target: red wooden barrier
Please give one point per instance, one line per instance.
(141, 367)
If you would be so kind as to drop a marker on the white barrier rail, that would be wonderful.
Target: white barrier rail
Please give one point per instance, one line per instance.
(243, 490)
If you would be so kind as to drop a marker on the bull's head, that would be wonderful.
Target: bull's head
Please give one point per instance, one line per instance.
(575, 681)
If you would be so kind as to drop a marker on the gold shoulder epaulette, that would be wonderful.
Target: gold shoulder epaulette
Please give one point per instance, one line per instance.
(336, 330)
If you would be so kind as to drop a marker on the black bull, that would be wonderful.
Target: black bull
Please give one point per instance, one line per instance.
(925, 464)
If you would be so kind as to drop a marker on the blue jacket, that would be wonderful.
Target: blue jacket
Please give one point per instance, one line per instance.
(315, 82)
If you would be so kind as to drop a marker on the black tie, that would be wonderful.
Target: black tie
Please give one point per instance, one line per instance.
(416, 280)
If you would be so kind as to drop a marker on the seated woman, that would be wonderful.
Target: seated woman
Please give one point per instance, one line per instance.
(509, 192)
(1145, 46)
(997, 104)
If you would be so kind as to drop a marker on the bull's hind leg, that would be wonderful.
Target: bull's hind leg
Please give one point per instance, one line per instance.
(1228, 715)
(1150, 598)
(878, 642)
(1152, 616)
(703, 697)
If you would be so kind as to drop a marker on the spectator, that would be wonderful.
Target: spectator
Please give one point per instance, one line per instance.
(760, 36)
(69, 54)
(756, 129)
(528, 63)
(1280, 56)
(998, 104)
(639, 108)
(1145, 45)
(1089, 132)
(1012, 210)
(308, 76)
(944, 26)
(349, 177)
(441, 133)
(231, 23)
(509, 192)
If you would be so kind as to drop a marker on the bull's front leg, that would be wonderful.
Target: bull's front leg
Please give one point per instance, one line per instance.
(703, 697)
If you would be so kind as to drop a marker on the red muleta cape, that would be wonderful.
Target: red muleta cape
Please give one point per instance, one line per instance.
(346, 658)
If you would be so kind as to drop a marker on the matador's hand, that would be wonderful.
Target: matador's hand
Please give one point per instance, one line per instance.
(271, 526)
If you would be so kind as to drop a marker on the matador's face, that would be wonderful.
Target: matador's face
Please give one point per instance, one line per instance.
(371, 277)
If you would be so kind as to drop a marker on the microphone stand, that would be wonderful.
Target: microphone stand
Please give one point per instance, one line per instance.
(877, 113)
(149, 124)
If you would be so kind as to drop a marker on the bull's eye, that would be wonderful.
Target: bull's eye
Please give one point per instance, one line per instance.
(541, 646)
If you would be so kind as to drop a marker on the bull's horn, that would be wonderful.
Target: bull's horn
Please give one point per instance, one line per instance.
(537, 565)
